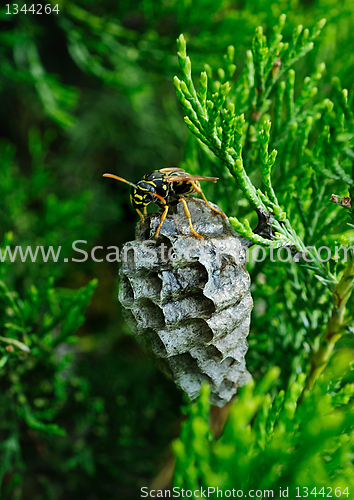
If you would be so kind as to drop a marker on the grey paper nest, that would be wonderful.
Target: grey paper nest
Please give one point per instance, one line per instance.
(188, 300)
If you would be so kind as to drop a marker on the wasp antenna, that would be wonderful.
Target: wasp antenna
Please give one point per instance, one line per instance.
(120, 179)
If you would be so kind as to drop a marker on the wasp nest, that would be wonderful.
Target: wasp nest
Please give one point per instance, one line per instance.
(188, 300)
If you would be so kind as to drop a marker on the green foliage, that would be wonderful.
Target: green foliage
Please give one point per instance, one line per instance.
(241, 145)
(219, 122)
(273, 442)
(36, 212)
(63, 425)
(300, 434)
(91, 89)
(36, 360)
(38, 324)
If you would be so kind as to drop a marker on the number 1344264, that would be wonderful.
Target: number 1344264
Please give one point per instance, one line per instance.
(38, 8)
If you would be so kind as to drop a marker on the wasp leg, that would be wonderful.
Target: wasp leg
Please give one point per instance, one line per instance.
(199, 191)
(163, 217)
(186, 209)
(145, 207)
(140, 215)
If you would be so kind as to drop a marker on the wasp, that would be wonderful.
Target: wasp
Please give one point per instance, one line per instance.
(166, 187)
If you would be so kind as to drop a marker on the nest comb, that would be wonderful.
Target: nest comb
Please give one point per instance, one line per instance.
(187, 300)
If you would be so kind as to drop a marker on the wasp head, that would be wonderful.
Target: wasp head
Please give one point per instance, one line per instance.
(142, 195)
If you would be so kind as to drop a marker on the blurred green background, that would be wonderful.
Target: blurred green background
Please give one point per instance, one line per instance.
(83, 92)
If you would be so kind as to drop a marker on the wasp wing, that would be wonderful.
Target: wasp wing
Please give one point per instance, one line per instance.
(189, 177)
(171, 169)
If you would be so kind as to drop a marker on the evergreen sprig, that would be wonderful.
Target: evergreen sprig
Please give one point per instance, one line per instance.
(272, 441)
(213, 119)
(307, 149)
(34, 369)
